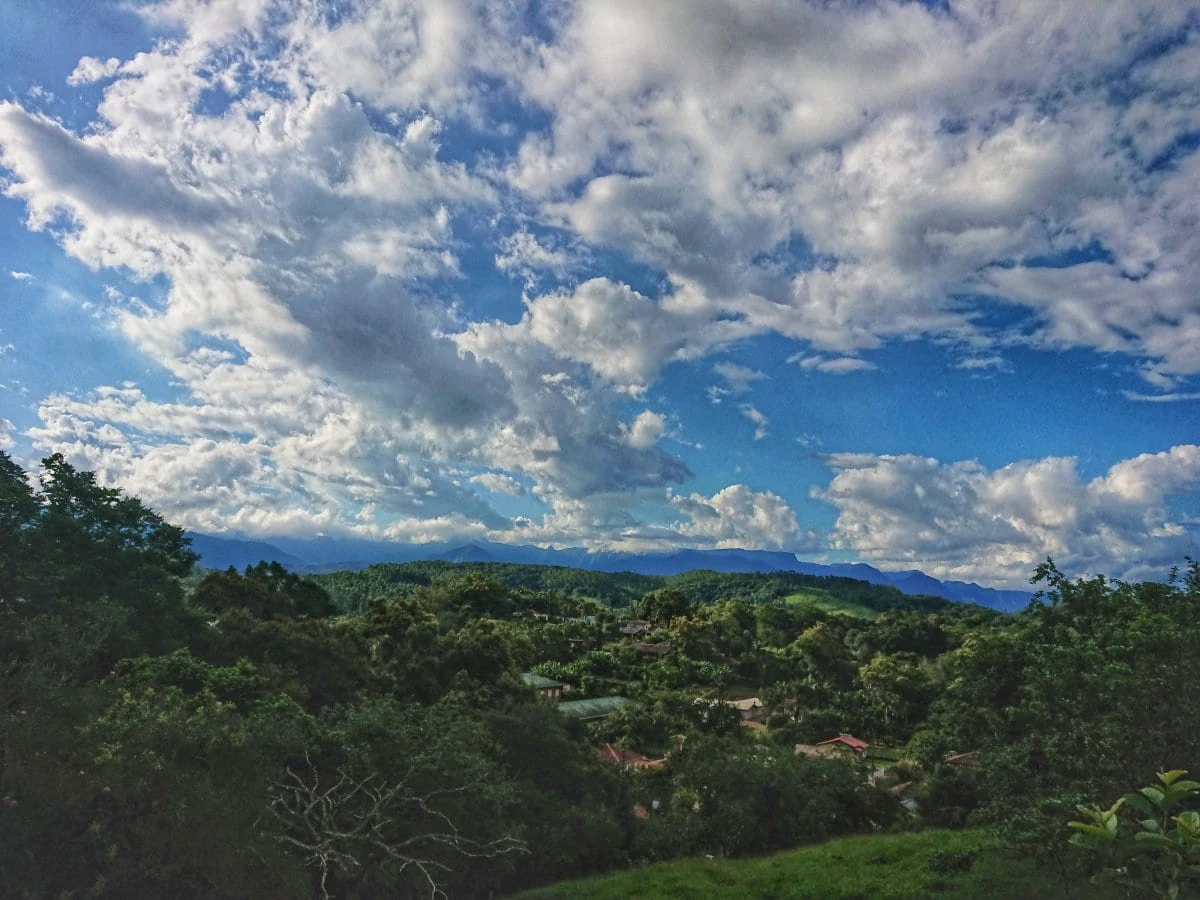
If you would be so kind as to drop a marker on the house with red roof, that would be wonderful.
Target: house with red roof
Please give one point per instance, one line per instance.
(628, 759)
(845, 742)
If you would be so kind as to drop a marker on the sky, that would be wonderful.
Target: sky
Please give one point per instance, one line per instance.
(908, 283)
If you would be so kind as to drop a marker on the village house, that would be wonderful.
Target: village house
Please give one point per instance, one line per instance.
(845, 743)
(545, 687)
(750, 708)
(628, 759)
(636, 627)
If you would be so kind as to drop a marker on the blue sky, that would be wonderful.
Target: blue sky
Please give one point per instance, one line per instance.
(913, 284)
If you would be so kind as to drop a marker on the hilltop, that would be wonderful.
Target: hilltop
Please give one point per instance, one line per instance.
(322, 555)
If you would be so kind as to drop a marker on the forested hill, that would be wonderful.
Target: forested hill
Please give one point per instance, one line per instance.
(312, 556)
(353, 590)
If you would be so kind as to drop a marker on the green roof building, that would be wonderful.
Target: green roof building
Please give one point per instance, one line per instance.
(595, 708)
(545, 687)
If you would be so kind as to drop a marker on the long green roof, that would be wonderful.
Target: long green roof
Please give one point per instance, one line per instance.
(595, 708)
(539, 682)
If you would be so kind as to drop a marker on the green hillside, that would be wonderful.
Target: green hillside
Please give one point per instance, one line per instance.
(913, 866)
(353, 590)
(831, 603)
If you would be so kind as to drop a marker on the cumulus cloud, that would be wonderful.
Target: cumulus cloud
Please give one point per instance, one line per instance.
(623, 337)
(646, 429)
(960, 520)
(738, 517)
(918, 151)
(840, 174)
(91, 69)
(529, 256)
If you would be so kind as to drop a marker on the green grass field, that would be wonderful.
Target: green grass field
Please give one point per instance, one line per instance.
(827, 602)
(878, 867)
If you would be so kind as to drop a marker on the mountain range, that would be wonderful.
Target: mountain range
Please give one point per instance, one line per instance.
(311, 556)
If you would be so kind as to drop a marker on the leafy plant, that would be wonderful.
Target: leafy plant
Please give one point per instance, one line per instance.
(1162, 857)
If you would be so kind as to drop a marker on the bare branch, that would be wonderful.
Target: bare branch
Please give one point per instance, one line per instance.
(333, 826)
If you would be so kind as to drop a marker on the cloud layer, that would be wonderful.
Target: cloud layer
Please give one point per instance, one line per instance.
(320, 189)
(962, 521)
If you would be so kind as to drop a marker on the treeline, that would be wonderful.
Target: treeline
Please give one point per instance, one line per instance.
(369, 734)
(353, 591)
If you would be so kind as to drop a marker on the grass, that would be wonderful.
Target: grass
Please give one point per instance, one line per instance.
(876, 867)
(831, 603)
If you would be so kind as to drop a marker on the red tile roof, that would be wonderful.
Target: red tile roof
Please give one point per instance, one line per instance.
(620, 756)
(852, 742)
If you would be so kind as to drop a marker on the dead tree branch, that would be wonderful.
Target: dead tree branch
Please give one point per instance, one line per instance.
(337, 826)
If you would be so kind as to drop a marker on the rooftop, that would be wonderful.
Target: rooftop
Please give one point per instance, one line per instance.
(595, 708)
(539, 682)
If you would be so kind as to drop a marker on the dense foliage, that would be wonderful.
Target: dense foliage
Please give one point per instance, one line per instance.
(183, 734)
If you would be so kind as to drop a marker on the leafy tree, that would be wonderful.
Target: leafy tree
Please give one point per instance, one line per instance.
(662, 606)
(266, 591)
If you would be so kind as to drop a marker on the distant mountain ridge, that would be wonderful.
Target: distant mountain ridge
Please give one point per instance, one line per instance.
(313, 556)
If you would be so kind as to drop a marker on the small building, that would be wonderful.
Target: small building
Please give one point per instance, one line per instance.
(628, 759)
(750, 708)
(636, 627)
(653, 649)
(845, 743)
(545, 687)
(594, 708)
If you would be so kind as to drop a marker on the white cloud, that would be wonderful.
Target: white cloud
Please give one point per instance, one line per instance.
(647, 428)
(738, 378)
(917, 151)
(91, 69)
(982, 363)
(841, 365)
(960, 520)
(1176, 397)
(738, 517)
(21, 276)
(623, 337)
(314, 222)
(759, 419)
(524, 254)
(499, 483)
(6, 432)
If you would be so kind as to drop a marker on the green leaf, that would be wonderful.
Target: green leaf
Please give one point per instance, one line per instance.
(1154, 840)
(1169, 778)
(1154, 795)
(1140, 803)
(1151, 825)
(1095, 831)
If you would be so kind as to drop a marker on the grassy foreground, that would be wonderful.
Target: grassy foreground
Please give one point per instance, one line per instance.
(877, 867)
